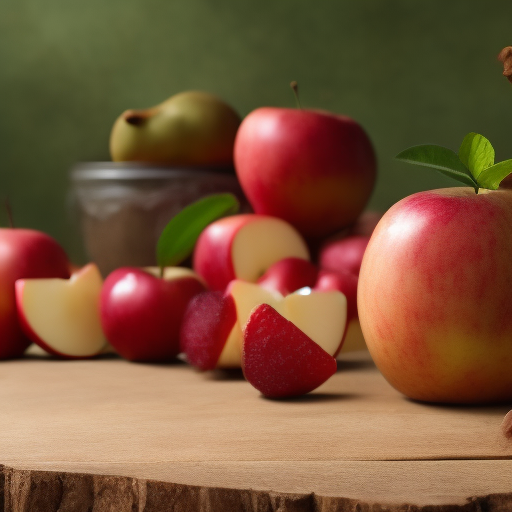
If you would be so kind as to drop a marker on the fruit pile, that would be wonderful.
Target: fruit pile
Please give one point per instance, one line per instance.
(253, 298)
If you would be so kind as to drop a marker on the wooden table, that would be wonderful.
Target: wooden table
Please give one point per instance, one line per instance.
(108, 435)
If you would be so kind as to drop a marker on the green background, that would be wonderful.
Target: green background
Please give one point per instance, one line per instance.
(409, 72)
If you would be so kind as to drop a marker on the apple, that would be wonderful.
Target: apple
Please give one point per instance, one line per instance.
(24, 253)
(345, 254)
(314, 169)
(366, 223)
(244, 246)
(61, 315)
(288, 275)
(321, 315)
(435, 296)
(141, 313)
(210, 334)
(279, 359)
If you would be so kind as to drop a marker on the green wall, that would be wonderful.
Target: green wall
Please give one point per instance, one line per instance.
(409, 72)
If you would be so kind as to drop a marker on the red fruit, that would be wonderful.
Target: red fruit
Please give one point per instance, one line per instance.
(207, 323)
(278, 359)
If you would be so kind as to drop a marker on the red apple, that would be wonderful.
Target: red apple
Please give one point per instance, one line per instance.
(210, 335)
(345, 254)
(24, 253)
(435, 296)
(314, 169)
(366, 223)
(278, 359)
(141, 314)
(288, 275)
(243, 247)
(62, 315)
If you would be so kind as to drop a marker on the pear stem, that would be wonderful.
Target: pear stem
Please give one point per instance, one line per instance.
(295, 87)
(9, 212)
(136, 117)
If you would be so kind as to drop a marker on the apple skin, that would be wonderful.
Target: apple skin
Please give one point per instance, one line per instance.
(435, 296)
(345, 254)
(314, 169)
(24, 254)
(208, 321)
(213, 257)
(141, 314)
(288, 275)
(278, 359)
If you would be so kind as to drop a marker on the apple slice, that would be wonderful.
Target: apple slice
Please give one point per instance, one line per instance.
(210, 334)
(278, 359)
(321, 315)
(244, 247)
(61, 315)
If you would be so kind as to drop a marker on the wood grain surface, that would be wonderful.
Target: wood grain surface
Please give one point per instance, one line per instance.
(355, 438)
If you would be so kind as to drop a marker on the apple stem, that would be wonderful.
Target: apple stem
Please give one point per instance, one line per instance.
(295, 87)
(9, 212)
(162, 268)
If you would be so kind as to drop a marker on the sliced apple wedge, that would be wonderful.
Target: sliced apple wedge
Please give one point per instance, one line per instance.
(61, 315)
(278, 359)
(321, 315)
(210, 334)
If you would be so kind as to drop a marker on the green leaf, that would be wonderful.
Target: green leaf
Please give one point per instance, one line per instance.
(441, 159)
(181, 233)
(492, 176)
(476, 153)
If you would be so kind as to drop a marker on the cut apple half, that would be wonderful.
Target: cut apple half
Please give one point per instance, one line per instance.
(322, 316)
(61, 315)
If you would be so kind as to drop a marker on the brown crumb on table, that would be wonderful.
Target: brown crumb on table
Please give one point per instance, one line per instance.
(505, 57)
(506, 425)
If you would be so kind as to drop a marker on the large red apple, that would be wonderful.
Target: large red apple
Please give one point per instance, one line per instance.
(141, 313)
(24, 253)
(314, 169)
(435, 296)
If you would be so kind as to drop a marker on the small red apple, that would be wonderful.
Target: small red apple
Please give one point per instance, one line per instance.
(344, 254)
(141, 314)
(278, 359)
(288, 275)
(314, 169)
(24, 254)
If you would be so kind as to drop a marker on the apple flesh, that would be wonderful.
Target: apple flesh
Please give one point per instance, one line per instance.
(24, 253)
(435, 296)
(141, 314)
(314, 169)
(61, 315)
(320, 315)
(278, 359)
(243, 247)
(210, 334)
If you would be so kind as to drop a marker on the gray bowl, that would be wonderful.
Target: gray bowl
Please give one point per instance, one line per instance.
(123, 207)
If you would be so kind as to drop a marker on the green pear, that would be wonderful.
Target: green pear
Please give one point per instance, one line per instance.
(191, 128)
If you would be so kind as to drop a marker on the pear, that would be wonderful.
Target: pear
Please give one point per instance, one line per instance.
(191, 128)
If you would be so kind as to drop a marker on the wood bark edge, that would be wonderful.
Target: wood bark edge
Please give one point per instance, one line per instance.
(47, 491)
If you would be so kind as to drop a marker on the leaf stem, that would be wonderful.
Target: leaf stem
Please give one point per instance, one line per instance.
(9, 212)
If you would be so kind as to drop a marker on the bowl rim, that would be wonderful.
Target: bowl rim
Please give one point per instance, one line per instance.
(93, 171)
